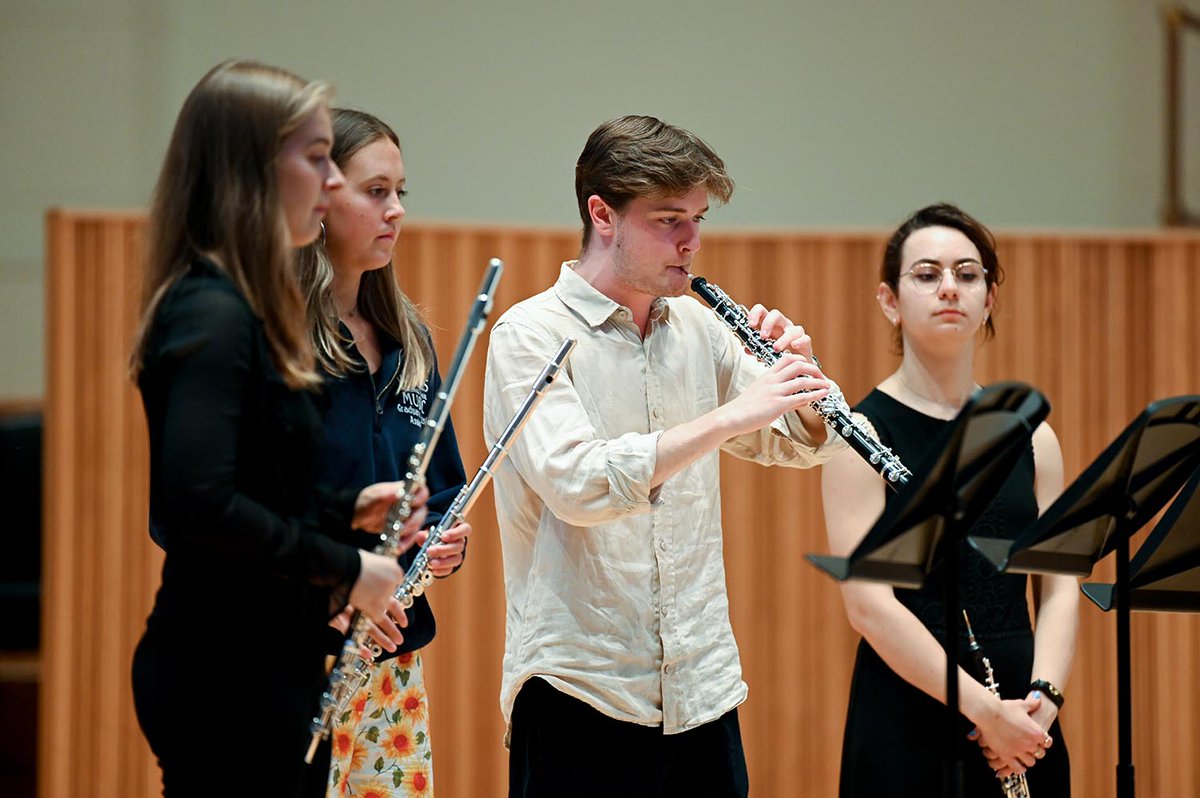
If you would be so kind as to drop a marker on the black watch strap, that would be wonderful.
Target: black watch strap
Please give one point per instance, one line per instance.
(1048, 690)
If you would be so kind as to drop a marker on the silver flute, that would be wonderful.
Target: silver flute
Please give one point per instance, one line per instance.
(832, 409)
(1015, 785)
(419, 575)
(351, 667)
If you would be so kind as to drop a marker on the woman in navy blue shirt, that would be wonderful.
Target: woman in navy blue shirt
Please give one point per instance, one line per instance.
(381, 377)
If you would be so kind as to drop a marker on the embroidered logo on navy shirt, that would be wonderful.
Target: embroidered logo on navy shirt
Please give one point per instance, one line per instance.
(412, 404)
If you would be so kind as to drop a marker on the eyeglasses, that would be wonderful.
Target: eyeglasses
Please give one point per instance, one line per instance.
(926, 277)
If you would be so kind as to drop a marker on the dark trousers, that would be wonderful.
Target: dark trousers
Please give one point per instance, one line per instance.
(561, 747)
(199, 714)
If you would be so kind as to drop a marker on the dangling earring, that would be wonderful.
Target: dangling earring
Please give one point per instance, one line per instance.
(323, 234)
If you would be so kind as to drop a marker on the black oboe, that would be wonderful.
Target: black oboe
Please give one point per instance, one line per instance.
(1014, 785)
(833, 408)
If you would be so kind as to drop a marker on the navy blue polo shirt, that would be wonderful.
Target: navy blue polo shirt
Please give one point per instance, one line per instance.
(370, 430)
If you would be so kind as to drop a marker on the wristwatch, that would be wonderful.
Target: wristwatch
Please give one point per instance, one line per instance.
(1048, 690)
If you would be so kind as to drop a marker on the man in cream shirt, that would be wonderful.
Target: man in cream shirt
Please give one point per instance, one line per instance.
(621, 674)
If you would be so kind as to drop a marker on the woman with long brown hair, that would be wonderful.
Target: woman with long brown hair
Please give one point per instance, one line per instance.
(380, 379)
(226, 372)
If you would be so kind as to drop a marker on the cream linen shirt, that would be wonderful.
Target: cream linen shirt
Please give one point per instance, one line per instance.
(616, 592)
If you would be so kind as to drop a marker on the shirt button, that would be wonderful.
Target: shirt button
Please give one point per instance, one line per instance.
(666, 669)
(662, 544)
(664, 611)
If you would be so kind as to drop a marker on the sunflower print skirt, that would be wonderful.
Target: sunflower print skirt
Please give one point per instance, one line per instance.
(381, 745)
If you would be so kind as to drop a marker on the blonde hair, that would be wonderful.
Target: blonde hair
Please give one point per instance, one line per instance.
(217, 194)
(380, 300)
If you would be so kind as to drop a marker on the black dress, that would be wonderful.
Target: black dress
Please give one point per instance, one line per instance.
(894, 732)
(231, 665)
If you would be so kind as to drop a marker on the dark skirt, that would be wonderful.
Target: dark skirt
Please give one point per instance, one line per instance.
(895, 743)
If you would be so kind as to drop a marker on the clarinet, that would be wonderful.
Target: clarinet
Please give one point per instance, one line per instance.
(419, 575)
(832, 409)
(352, 669)
(1015, 785)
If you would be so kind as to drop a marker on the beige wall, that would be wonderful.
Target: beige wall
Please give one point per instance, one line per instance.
(1030, 114)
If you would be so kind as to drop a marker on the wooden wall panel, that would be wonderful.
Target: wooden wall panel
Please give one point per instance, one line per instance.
(1102, 324)
(100, 570)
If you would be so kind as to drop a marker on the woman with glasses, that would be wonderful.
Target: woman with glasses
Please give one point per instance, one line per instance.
(939, 281)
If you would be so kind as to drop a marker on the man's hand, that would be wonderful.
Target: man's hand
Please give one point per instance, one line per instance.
(774, 326)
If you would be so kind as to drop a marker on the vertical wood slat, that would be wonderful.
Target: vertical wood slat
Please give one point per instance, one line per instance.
(1102, 324)
(99, 569)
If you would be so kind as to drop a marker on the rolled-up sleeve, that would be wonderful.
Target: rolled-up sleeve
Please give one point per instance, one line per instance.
(582, 478)
(615, 592)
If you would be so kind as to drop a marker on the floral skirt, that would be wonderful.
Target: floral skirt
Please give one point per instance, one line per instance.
(381, 746)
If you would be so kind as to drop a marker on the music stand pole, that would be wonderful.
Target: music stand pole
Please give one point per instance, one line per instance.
(962, 472)
(954, 784)
(1127, 484)
(1125, 784)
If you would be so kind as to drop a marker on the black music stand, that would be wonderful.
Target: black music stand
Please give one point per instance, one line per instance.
(951, 489)
(1165, 574)
(1115, 496)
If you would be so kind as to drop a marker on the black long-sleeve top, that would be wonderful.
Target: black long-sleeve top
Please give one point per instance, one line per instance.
(233, 499)
(370, 430)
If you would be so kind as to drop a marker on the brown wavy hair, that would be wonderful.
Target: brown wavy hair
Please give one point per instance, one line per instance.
(218, 195)
(640, 156)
